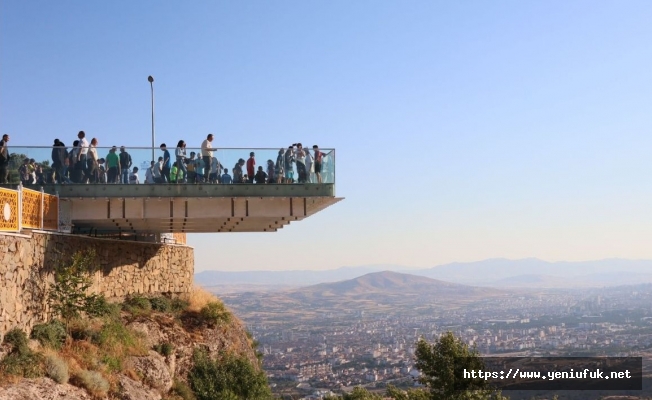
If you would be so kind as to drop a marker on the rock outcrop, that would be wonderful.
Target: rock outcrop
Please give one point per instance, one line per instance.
(150, 376)
(42, 389)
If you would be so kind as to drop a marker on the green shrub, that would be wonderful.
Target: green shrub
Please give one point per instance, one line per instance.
(178, 305)
(93, 382)
(79, 329)
(18, 341)
(26, 364)
(56, 368)
(161, 304)
(21, 361)
(53, 334)
(112, 334)
(113, 363)
(214, 314)
(68, 296)
(226, 377)
(102, 308)
(137, 305)
(165, 349)
(182, 390)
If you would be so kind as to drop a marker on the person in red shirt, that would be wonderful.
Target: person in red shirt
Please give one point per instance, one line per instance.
(251, 167)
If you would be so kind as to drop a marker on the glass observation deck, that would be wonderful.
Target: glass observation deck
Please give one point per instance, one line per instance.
(101, 196)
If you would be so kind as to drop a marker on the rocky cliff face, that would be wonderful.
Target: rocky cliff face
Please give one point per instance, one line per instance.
(150, 374)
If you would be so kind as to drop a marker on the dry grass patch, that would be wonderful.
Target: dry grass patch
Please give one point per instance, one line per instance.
(199, 298)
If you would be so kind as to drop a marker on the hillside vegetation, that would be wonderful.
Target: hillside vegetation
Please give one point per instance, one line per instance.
(143, 348)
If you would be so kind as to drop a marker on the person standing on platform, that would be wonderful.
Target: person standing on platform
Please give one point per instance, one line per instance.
(251, 167)
(270, 172)
(167, 164)
(207, 155)
(279, 169)
(180, 154)
(82, 155)
(4, 159)
(157, 171)
(93, 162)
(226, 178)
(289, 168)
(319, 159)
(237, 171)
(58, 160)
(261, 176)
(113, 166)
(310, 166)
(191, 168)
(300, 158)
(133, 177)
(125, 164)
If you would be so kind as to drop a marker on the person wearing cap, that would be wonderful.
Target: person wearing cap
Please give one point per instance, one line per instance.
(251, 167)
(207, 156)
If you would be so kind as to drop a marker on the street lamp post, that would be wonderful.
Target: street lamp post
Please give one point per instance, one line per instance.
(151, 84)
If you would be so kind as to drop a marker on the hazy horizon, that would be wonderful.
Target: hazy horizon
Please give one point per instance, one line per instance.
(409, 268)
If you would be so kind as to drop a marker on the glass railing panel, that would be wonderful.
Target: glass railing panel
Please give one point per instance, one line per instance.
(40, 168)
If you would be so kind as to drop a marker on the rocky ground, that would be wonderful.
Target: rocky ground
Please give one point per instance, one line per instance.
(149, 376)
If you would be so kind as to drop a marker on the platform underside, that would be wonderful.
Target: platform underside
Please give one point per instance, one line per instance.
(189, 215)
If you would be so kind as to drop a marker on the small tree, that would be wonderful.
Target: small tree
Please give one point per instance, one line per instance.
(227, 377)
(360, 393)
(442, 365)
(68, 298)
(412, 394)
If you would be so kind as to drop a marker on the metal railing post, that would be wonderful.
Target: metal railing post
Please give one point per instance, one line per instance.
(20, 207)
(42, 208)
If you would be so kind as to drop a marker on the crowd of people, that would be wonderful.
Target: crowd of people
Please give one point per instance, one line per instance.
(82, 164)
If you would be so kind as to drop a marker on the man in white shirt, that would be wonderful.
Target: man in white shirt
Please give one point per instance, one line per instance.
(206, 155)
(93, 161)
(133, 177)
(82, 155)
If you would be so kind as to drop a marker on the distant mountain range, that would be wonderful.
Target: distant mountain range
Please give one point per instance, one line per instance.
(381, 293)
(532, 272)
(287, 278)
(499, 273)
(389, 282)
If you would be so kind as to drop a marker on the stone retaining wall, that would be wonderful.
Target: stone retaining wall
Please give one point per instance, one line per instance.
(27, 263)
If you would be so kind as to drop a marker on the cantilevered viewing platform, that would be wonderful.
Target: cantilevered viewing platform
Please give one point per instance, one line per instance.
(154, 208)
(160, 208)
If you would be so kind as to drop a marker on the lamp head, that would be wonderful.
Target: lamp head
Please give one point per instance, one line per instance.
(150, 79)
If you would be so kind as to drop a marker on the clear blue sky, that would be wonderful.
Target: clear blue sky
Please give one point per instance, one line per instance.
(464, 129)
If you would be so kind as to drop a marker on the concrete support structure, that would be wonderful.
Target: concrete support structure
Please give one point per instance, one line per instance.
(190, 208)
